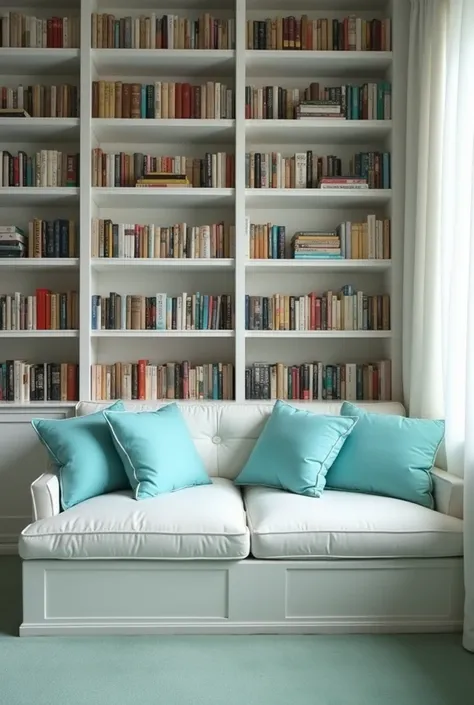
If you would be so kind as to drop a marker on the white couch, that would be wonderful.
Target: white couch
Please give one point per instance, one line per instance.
(215, 559)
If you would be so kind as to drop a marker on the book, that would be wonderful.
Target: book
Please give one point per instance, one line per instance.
(347, 309)
(162, 312)
(22, 381)
(213, 170)
(162, 100)
(172, 380)
(45, 310)
(18, 29)
(349, 33)
(110, 31)
(178, 241)
(311, 381)
(47, 168)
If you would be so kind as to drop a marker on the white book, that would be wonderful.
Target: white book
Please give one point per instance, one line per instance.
(136, 34)
(123, 313)
(205, 241)
(170, 32)
(300, 170)
(275, 102)
(179, 313)
(29, 312)
(44, 34)
(20, 97)
(360, 310)
(161, 311)
(351, 382)
(17, 380)
(39, 33)
(65, 32)
(99, 313)
(217, 101)
(54, 168)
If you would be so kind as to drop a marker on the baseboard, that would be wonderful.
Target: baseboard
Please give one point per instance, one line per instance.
(324, 627)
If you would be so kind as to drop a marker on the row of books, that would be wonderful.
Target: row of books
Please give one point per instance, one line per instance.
(22, 381)
(369, 101)
(60, 100)
(347, 309)
(165, 32)
(48, 168)
(20, 30)
(307, 170)
(367, 240)
(122, 169)
(312, 381)
(324, 34)
(44, 239)
(52, 238)
(173, 380)
(162, 312)
(179, 241)
(44, 310)
(167, 100)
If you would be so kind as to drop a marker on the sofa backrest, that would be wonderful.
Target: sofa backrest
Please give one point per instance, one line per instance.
(225, 433)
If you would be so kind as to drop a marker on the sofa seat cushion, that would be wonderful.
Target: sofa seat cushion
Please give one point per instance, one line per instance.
(205, 522)
(346, 525)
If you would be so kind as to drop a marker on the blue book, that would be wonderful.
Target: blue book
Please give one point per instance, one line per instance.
(317, 255)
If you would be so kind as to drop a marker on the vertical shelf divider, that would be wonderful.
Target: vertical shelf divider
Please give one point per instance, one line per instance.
(240, 235)
(85, 353)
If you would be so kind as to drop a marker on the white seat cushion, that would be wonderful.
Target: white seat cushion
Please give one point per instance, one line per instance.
(206, 522)
(346, 525)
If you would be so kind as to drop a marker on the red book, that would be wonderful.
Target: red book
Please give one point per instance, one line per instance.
(141, 379)
(186, 101)
(48, 310)
(41, 309)
(178, 101)
(71, 383)
(16, 171)
(346, 34)
(312, 312)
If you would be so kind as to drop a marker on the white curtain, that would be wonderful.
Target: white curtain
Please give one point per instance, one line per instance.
(438, 350)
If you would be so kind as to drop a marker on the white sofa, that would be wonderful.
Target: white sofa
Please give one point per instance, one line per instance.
(215, 559)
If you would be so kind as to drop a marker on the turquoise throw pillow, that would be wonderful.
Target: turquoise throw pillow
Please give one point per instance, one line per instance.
(295, 450)
(85, 457)
(388, 455)
(157, 451)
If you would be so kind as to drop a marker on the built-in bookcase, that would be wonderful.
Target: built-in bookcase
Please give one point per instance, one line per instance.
(295, 209)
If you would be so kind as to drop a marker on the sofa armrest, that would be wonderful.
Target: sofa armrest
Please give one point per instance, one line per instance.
(448, 493)
(45, 496)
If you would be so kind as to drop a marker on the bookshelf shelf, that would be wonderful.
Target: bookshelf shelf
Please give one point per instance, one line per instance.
(162, 62)
(174, 265)
(334, 131)
(292, 265)
(317, 198)
(37, 62)
(10, 405)
(39, 333)
(296, 64)
(162, 333)
(331, 334)
(44, 264)
(128, 130)
(162, 197)
(40, 129)
(38, 197)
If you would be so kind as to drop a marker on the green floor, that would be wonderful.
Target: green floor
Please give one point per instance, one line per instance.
(239, 670)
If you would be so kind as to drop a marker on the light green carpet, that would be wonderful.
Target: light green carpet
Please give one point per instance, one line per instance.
(232, 670)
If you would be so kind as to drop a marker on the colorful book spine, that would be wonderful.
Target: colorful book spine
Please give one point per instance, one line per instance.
(45, 310)
(47, 168)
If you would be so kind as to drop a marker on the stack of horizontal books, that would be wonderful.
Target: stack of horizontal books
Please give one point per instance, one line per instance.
(343, 182)
(311, 109)
(13, 242)
(161, 179)
(316, 244)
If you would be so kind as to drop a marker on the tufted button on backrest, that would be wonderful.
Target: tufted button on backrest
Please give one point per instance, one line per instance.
(224, 433)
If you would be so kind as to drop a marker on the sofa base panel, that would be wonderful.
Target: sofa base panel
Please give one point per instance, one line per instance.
(247, 597)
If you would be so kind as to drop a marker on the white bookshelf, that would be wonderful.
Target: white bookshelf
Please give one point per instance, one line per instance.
(294, 208)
